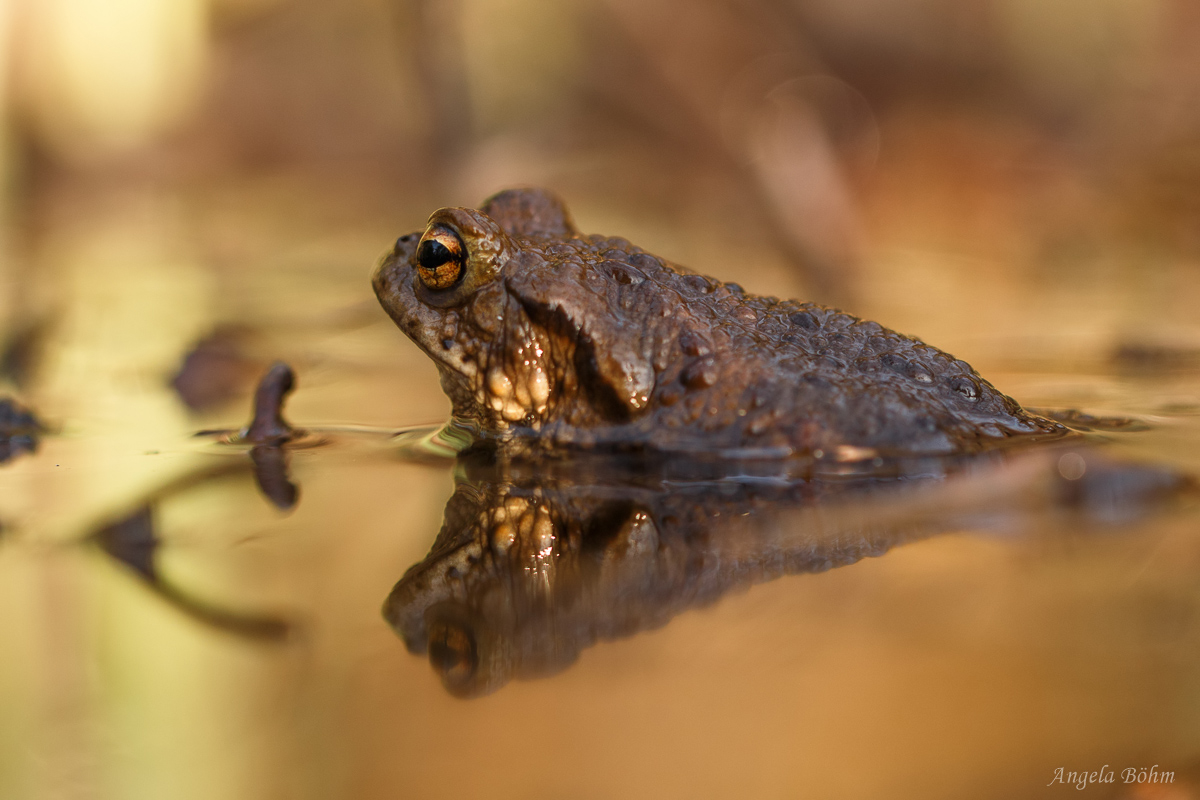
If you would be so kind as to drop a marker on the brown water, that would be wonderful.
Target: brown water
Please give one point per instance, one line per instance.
(1022, 637)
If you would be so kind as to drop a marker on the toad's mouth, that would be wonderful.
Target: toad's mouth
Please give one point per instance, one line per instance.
(494, 385)
(393, 285)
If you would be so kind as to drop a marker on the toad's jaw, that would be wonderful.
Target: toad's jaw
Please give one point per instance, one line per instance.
(495, 387)
(393, 284)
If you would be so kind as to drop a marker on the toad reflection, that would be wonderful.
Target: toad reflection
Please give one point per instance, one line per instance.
(535, 563)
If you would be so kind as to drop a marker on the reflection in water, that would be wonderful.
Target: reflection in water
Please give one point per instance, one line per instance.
(133, 541)
(269, 432)
(19, 430)
(269, 435)
(271, 475)
(535, 562)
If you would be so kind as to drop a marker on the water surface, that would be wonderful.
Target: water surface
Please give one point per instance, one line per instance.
(172, 633)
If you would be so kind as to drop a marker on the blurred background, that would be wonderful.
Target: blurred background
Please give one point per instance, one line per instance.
(190, 189)
(874, 154)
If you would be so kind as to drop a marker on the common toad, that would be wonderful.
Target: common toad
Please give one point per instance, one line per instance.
(548, 339)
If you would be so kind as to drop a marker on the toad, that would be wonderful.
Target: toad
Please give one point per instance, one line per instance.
(550, 340)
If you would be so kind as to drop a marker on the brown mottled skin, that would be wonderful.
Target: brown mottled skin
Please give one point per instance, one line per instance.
(555, 340)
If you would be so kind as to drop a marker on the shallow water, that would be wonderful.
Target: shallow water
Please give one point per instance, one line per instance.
(172, 633)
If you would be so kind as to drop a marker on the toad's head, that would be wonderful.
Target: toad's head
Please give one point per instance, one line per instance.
(515, 308)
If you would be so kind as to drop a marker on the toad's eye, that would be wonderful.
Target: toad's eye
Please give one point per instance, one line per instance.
(452, 654)
(440, 259)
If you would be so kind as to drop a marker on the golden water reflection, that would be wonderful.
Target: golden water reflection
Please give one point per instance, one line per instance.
(257, 663)
(537, 562)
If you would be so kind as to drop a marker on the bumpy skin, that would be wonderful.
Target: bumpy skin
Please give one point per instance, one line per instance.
(553, 340)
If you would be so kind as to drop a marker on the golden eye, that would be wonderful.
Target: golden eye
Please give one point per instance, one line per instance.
(440, 259)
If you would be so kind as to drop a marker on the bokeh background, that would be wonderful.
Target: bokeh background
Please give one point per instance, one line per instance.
(875, 154)
(799, 124)
(190, 189)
